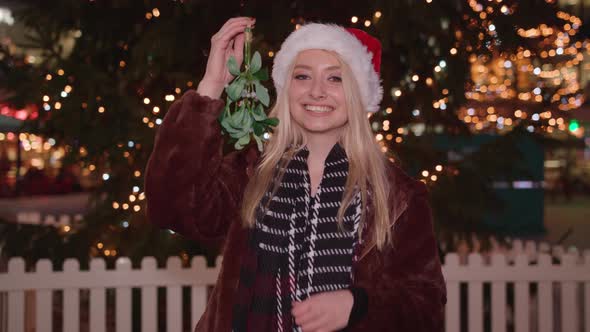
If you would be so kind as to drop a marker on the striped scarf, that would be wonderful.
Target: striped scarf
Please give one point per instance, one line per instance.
(297, 248)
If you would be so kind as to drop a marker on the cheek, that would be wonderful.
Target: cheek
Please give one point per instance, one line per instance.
(296, 89)
(338, 95)
(344, 116)
(295, 93)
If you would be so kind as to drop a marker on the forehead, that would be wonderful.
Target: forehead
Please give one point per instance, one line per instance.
(316, 58)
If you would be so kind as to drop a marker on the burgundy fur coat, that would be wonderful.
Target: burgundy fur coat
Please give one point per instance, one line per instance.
(194, 190)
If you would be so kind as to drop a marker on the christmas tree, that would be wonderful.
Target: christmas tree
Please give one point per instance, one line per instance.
(109, 70)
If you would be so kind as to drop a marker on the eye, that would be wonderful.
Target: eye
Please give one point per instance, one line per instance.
(301, 77)
(335, 78)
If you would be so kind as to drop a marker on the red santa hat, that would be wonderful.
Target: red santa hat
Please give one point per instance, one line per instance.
(361, 51)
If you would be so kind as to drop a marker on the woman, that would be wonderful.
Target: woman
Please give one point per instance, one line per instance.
(320, 232)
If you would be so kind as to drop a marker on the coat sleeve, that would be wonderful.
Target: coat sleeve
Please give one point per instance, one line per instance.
(190, 186)
(407, 291)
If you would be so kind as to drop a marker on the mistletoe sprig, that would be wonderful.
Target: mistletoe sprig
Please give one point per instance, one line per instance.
(244, 117)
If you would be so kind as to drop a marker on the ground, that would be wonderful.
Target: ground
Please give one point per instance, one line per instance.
(573, 216)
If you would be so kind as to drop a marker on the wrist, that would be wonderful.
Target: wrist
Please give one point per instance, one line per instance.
(210, 88)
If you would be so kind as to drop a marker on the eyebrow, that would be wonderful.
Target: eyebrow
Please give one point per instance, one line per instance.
(309, 67)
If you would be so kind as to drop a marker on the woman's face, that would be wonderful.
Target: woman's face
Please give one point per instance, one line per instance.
(316, 96)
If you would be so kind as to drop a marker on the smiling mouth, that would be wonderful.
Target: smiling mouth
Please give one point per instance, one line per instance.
(318, 109)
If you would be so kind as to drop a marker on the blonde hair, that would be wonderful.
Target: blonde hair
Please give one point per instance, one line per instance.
(367, 164)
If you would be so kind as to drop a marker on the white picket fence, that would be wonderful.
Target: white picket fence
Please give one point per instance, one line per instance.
(560, 300)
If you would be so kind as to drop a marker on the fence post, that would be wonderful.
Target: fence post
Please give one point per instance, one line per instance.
(174, 298)
(452, 309)
(149, 298)
(530, 248)
(545, 298)
(97, 311)
(521, 296)
(43, 297)
(198, 292)
(568, 296)
(71, 298)
(123, 298)
(16, 298)
(498, 263)
(475, 295)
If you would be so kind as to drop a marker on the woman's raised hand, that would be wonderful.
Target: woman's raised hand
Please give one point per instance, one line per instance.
(228, 41)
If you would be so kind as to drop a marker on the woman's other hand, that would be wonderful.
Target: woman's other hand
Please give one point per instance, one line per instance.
(324, 312)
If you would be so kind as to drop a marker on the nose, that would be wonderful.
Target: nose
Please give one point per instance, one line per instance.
(317, 90)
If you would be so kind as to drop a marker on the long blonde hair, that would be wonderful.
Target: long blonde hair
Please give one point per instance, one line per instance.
(367, 164)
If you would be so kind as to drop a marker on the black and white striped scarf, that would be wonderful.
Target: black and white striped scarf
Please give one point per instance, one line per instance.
(300, 249)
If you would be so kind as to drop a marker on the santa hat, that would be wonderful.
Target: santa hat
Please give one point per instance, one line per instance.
(358, 49)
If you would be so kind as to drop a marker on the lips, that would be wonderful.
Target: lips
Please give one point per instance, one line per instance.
(318, 108)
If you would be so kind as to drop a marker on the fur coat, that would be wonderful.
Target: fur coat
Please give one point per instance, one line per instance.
(193, 189)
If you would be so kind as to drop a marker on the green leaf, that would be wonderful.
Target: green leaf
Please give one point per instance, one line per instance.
(261, 75)
(247, 121)
(239, 123)
(236, 118)
(239, 119)
(258, 129)
(244, 139)
(258, 113)
(258, 142)
(234, 90)
(227, 125)
(262, 94)
(223, 122)
(232, 66)
(225, 110)
(238, 133)
(273, 122)
(256, 63)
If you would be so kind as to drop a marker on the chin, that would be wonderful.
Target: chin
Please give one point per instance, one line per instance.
(321, 128)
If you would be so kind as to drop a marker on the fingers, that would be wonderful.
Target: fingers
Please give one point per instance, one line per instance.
(238, 50)
(307, 318)
(232, 27)
(317, 324)
(231, 32)
(300, 308)
(236, 20)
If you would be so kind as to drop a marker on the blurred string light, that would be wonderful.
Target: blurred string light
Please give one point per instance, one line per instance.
(367, 22)
(497, 84)
(133, 199)
(59, 94)
(555, 80)
(432, 176)
(6, 16)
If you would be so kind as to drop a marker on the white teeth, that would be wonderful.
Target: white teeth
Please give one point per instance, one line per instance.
(320, 109)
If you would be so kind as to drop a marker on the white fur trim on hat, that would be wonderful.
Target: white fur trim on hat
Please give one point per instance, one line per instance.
(335, 38)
